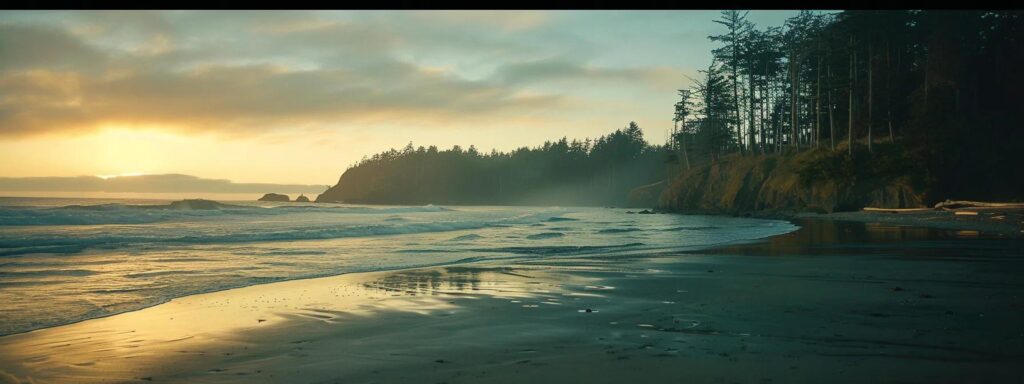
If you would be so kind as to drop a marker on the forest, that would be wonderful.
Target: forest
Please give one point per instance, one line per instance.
(588, 172)
(930, 95)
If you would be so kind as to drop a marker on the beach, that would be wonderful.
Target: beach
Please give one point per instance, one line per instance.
(1002, 222)
(473, 196)
(835, 301)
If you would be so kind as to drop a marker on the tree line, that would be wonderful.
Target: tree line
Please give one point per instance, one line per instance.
(576, 172)
(942, 86)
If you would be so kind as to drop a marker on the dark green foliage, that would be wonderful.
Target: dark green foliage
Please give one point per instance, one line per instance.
(943, 86)
(597, 172)
(886, 163)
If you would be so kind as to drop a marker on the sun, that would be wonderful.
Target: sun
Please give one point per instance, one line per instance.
(107, 177)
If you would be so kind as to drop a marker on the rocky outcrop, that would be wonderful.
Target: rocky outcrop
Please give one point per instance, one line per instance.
(302, 199)
(772, 183)
(274, 197)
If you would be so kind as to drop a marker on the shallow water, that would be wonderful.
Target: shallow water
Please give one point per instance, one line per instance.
(831, 302)
(91, 258)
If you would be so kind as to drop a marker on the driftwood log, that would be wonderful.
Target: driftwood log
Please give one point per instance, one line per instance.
(896, 210)
(954, 204)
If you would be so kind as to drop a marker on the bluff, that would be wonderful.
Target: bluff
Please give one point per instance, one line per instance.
(816, 181)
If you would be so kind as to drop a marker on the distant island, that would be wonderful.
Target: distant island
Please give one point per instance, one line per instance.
(274, 197)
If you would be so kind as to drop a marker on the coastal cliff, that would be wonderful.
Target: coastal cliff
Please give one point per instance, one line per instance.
(813, 181)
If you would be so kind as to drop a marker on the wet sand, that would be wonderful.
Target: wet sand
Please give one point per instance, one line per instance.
(834, 301)
(1005, 222)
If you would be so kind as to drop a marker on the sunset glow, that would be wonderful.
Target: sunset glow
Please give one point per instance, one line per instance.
(295, 97)
(107, 177)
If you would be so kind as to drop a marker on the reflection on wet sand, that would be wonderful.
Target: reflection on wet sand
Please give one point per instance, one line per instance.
(185, 331)
(820, 237)
(874, 303)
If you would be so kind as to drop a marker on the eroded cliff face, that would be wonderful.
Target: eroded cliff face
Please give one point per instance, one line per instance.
(771, 183)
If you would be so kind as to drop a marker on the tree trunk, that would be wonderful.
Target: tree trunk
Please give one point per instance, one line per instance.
(888, 90)
(765, 102)
(831, 110)
(817, 106)
(926, 57)
(871, 121)
(793, 140)
(849, 110)
(672, 145)
(750, 111)
(682, 143)
(777, 123)
(735, 90)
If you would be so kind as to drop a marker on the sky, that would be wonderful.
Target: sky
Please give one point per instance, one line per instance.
(296, 97)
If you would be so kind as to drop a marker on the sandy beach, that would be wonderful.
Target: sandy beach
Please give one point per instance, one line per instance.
(835, 301)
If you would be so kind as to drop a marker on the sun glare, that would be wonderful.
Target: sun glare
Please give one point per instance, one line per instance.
(107, 177)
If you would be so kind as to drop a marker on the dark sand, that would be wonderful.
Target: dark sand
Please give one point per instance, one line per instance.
(833, 302)
(1005, 222)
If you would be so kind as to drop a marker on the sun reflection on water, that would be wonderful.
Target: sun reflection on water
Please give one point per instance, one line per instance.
(184, 330)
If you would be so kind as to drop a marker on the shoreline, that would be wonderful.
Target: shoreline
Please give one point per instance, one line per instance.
(944, 220)
(1000, 221)
(500, 320)
(460, 262)
(1003, 222)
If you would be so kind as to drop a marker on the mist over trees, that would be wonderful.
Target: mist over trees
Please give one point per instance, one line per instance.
(589, 172)
(936, 88)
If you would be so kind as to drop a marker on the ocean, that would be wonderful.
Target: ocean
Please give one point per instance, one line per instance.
(65, 260)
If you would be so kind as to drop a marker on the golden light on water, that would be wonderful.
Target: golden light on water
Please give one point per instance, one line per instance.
(188, 332)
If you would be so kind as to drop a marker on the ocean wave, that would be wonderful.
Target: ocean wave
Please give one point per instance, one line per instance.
(691, 228)
(160, 273)
(561, 249)
(545, 235)
(557, 219)
(47, 272)
(184, 210)
(13, 244)
(618, 230)
(471, 236)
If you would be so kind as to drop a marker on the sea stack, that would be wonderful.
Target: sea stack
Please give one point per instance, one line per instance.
(302, 199)
(274, 197)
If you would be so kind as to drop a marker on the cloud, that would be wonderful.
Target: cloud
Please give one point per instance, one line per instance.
(248, 73)
(170, 183)
(514, 21)
(247, 98)
(25, 47)
(179, 91)
(556, 69)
